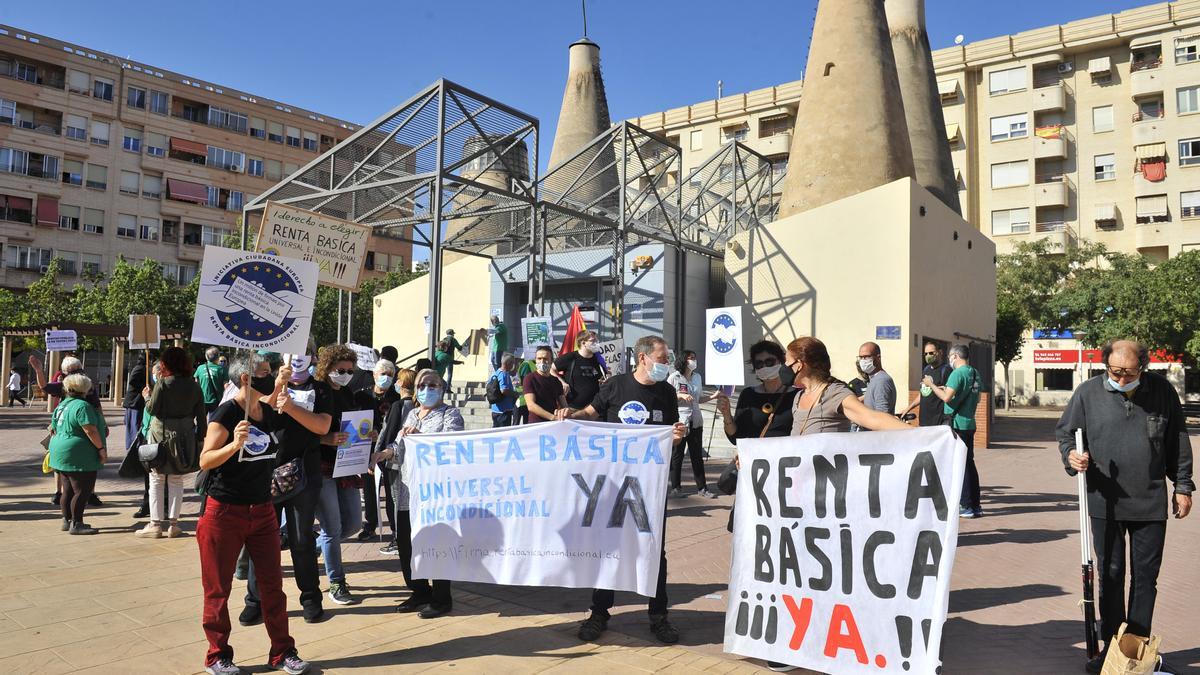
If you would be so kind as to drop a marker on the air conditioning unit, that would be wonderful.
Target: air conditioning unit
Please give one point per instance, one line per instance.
(1066, 67)
(43, 269)
(233, 167)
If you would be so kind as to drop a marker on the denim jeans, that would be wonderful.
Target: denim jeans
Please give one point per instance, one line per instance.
(299, 512)
(340, 512)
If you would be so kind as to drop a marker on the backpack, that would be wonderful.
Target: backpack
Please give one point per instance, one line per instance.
(492, 392)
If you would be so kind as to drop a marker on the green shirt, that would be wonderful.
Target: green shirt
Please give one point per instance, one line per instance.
(965, 383)
(441, 361)
(499, 339)
(212, 378)
(70, 448)
(455, 345)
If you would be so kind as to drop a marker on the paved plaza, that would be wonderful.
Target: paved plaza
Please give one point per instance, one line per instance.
(116, 604)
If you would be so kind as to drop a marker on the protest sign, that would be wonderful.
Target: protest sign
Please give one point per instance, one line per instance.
(61, 341)
(574, 504)
(337, 246)
(143, 331)
(613, 353)
(723, 347)
(254, 301)
(537, 331)
(366, 356)
(843, 547)
(354, 456)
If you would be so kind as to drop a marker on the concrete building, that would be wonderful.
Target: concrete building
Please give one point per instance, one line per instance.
(102, 156)
(1082, 130)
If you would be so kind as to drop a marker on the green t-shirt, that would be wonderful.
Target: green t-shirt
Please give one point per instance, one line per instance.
(212, 378)
(455, 345)
(441, 361)
(965, 383)
(499, 338)
(70, 448)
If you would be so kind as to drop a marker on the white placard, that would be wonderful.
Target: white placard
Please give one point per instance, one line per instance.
(354, 456)
(573, 504)
(613, 353)
(61, 341)
(254, 301)
(367, 358)
(337, 246)
(843, 547)
(537, 331)
(724, 353)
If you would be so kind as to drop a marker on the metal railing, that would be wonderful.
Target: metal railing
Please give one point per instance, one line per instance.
(1054, 226)
(1140, 116)
(1136, 66)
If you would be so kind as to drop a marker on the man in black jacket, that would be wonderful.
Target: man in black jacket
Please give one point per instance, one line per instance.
(134, 404)
(1134, 439)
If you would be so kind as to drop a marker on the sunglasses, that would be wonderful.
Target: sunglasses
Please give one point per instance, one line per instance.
(930, 353)
(765, 363)
(344, 371)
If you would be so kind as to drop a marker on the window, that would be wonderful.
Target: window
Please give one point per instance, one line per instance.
(227, 159)
(102, 88)
(126, 225)
(274, 170)
(170, 231)
(696, 140)
(68, 217)
(1187, 49)
(1010, 174)
(78, 82)
(152, 186)
(186, 274)
(72, 173)
(214, 195)
(26, 257)
(8, 112)
(97, 176)
(275, 132)
(1187, 100)
(93, 221)
(16, 209)
(227, 119)
(160, 103)
(156, 144)
(773, 126)
(1149, 109)
(258, 127)
(1005, 81)
(234, 202)
(736, 132)
(67, 262)
(77, 127)
(130, 182)
(1054, 379)
(1102, 119)
(214, 236)
(136, 98)
(92, 263)
(1106, 167)
(310, 141)
(293, 137)
(254, 167)
(1010, 126)
(25, 72)
(100, 132)
(148, 230)
(1189, 204)
(290, 168)
(1152, 209)
(1189, 151)
(1010, 221)
(14, 161)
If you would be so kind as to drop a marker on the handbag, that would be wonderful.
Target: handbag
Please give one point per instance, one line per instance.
(288, 480)
(149, 455)
(201, 485)
(1130, 654)
(131, 465)
(46, 464)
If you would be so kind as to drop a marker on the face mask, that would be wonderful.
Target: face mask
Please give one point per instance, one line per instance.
(866, 365)
(429, 397)
(930, 359)
(399, 389)
(587, 348)
(263, 385)
(1123, 388)
(383, 381)
(543, 368)
(767, 373)
(692, 365)
(659, 371)
(300, 372)
(341, 379)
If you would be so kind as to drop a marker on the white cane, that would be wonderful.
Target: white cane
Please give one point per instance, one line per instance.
(1091, 643)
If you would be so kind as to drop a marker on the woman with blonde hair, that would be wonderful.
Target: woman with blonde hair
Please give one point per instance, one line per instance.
(77, 450)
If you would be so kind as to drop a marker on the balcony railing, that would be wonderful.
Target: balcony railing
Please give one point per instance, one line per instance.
(1047, 81)
(1148, 64)
(1051, 178)
(1053, 226)
(1140, 116)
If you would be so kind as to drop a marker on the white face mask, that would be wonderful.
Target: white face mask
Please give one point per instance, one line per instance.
(588, 348)
(867, 365)
(341, 380)
(543, 368)
(692, 365)
(767, 373)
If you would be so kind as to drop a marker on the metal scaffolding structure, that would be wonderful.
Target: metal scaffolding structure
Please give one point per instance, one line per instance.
(453, 170)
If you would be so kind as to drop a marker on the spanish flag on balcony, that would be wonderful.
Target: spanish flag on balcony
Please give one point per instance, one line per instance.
(1052, 131)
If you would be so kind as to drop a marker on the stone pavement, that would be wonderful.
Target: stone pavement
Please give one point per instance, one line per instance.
(112, 603)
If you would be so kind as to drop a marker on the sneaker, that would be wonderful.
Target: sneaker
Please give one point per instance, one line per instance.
(1095, 665)
(413, 604)
(56, 498)
(314, 614)
(676, 492)
(366, 534)
(94, 500)
(66, 525)
(82, 528)
(390, 549)
(964, 512)
(251, 615)
(241, 573)
(142, 512)
(340, 594)
(664, 630)
(223, 667)
(705, 493)
(150, 531)
(779, 667)
(592, 627)
(173, 532)
(291, 663)
(978, 513)
(433, 611)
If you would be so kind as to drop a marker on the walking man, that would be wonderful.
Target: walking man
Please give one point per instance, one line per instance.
(960, 396)
(14, 389)
(1135, 439)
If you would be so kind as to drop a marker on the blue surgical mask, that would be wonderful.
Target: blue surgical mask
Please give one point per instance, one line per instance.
(399, 389)
(429, 396)
(383, 381)
(659, 371)
(1123, 388)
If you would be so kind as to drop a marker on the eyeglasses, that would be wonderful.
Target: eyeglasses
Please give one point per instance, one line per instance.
(344, 371)
(930, 353)
(765, 363)
(1124, 372)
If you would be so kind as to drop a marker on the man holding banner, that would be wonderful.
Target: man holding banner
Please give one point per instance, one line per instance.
(640, 397)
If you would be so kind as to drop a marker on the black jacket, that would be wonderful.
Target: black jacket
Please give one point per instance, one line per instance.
(134, 383)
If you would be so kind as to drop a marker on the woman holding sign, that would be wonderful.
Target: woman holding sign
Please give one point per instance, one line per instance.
(826, 403)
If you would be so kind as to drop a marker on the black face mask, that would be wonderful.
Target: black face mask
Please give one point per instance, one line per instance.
(263, 385)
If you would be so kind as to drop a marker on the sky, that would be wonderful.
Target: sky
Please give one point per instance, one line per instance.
(355, 60)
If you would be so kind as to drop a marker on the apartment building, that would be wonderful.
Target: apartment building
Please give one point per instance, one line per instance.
(1088, 129)
(103, 157)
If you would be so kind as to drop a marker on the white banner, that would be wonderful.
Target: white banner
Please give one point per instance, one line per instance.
(366, 356)
(724, 353)
(61, 341)
(572, 504)
(254, 301)
(337, 246)
(843, 548)
(613, 353)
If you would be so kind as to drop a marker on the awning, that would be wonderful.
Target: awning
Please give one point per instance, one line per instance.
(47, 211)
(948, 88)
(1152, 206)
(1151, 151)
(186, 191)
(952, 132)
(190, 147)
(1100, 66)
(1106, 212)
(1145, 42)
(20, 203)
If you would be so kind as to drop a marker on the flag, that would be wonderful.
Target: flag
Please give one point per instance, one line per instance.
(574, 327)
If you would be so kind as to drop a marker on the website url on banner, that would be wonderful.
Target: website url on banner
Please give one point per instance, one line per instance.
(463, 553)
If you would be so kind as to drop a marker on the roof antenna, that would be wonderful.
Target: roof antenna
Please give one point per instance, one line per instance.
(584, 3)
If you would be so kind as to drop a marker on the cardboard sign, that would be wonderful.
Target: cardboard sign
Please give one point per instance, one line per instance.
(338, 247)
(61, 341)
(613, 353)
(367, 358)
(143, 331)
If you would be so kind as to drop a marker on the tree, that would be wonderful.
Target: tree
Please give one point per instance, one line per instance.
(325, 310)
(1010, 339)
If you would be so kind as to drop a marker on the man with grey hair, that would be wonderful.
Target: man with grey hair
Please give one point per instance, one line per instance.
(1134, 438)
(960, 397)
(211, 376)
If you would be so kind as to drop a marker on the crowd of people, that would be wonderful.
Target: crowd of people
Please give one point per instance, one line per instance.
(263, 433)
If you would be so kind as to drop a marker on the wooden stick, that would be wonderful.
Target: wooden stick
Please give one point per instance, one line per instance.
(147, 368)
(246, 391)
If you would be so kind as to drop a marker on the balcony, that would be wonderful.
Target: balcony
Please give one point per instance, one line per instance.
(1052, 191)
(37, 120)
(1151, 235)
(1050, 97)
(1058, 233)
(1148, 127)
(777, 144)
(1146, 81)
(1050, 148)
(33, 72)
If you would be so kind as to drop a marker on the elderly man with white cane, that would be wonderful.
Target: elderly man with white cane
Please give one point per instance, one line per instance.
(1134, 439)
